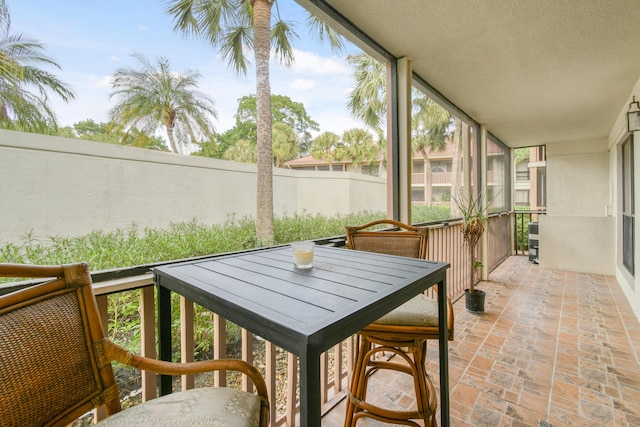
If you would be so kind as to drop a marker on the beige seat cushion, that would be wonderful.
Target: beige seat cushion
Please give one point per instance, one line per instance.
(204, 406)
(418, 311)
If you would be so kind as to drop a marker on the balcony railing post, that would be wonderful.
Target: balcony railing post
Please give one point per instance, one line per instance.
(164, 335)
(187, 343)
(100, 413)
(271, 378)
(292, 387)
(148, 339)
(247, 356)
(219, 348)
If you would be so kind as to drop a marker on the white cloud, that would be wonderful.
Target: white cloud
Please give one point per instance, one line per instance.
(99, 82)
(143, 27)
(303, 84)
(115, 58)
(312, 63)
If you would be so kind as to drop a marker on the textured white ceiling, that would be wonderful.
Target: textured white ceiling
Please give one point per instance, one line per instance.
(533, 71)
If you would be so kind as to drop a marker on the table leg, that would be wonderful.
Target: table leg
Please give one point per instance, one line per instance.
(444, 353)
(310, 398)
(164, 335)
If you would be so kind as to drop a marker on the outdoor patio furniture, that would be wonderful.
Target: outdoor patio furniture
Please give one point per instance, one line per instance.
(304, 311)
(55, 363)
(402, 332)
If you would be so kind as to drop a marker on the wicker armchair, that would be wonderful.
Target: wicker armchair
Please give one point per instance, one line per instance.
(55, 363)
(403, 332)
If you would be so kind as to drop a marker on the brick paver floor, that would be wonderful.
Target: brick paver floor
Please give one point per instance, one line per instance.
(552, 346)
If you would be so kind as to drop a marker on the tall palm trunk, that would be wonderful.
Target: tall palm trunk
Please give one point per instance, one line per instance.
(172, 140)
(261, 46)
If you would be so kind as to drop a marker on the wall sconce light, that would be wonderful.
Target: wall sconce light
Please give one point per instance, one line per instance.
(633, 116)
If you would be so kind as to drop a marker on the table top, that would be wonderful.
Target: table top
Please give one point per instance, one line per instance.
(301, 311)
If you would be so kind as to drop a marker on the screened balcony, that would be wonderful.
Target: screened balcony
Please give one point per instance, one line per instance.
(559, 339)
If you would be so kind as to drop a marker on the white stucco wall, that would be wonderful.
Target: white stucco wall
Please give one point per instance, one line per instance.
(58, 186)
(578, 233)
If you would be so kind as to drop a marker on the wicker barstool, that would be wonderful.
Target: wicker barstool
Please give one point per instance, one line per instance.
(403, 332)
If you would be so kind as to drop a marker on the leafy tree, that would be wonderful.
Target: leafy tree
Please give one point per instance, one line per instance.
(325, 146)
(104, 132)
(226, 140)
(66, 132)
(209, 148)
(285, 146)
(24, 88)
(291, 114)
(237, 27)
(283, 110)
(521, 154)
(153, 97)
(88, 128)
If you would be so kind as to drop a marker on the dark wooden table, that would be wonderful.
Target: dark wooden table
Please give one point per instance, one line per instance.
(305, 312)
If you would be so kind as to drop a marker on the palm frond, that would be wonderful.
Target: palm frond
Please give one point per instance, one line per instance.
(326, 33)
(282, 33)
(233, 48)
(25, 88)
(367, 101)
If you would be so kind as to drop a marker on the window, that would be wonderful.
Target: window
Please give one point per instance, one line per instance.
(522, 198)
(498, 179)
(628, 222)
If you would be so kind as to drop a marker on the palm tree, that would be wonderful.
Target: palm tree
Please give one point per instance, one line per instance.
(429, 127)
(285, 143)
(152, 97)
(381, 146)
(24, 100)
(368, 100)
(324, 147)
(237, 26)
(357, 146)
(242, 151)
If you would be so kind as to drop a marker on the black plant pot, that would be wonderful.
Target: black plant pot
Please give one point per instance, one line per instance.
(474, 302)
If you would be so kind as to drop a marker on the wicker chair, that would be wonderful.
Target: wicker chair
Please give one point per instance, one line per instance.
(402, 332)
(55, 363)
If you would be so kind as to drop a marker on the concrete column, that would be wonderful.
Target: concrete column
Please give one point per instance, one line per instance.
(482, 186)
(404, 139)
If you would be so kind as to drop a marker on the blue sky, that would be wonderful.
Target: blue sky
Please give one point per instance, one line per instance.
(91, 39)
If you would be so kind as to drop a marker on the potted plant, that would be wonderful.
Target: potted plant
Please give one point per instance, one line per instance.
(474, 216)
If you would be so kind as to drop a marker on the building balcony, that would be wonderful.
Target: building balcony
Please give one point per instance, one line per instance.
(444, 179)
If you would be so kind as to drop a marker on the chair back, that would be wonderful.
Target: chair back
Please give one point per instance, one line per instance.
(52, 369)
(398, 239)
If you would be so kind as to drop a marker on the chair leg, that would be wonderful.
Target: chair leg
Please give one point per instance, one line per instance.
(357, 381)
(426, 400)
(427, 403)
